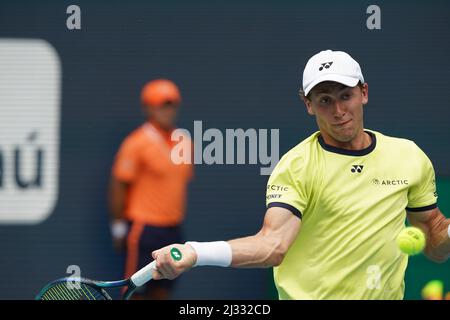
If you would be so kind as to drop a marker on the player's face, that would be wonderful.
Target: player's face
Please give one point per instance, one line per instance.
(338, 110)
(164, 116)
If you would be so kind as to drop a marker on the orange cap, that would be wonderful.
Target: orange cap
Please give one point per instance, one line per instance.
(158, 92)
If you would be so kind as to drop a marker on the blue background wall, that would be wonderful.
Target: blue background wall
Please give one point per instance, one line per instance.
(238, 65)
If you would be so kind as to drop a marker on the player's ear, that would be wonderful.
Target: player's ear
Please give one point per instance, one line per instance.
(307, 102)
(365, 93)
(309, 106)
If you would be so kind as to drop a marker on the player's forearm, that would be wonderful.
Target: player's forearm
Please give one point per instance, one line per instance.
(256, 251)
(265, 249)
(442, 248)
(438, 246)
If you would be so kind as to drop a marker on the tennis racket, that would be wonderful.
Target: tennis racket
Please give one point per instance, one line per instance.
(74, 288)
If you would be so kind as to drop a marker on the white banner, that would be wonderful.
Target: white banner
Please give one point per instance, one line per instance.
(30, 96)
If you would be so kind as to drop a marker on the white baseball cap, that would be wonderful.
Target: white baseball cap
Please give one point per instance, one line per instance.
(331, 65)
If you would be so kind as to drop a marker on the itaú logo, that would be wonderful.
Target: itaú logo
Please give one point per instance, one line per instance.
(30, 75)
(390, 182)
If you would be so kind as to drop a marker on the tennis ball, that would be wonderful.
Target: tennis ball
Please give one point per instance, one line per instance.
(411, 241)
(433, 290)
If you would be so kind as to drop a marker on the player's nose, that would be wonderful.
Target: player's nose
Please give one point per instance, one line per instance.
(339, 109)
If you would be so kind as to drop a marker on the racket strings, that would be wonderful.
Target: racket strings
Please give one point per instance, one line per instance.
(72, 291)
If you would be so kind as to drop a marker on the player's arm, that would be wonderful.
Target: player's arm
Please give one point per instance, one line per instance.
(266, 248)
(436, 228)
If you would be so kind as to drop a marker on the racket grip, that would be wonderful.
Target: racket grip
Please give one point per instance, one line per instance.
(144, 275)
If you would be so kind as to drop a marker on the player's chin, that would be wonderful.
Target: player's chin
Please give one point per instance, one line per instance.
(344, 134)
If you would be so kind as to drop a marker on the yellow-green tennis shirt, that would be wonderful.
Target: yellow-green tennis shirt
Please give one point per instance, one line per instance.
(352, 205)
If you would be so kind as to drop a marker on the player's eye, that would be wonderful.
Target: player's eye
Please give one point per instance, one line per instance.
(324, 100)
(346, 96)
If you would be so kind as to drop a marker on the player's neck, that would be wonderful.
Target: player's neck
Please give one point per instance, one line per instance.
(360, 142)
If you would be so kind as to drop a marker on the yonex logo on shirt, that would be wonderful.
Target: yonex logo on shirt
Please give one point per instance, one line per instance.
(357, 168)
(325, 65)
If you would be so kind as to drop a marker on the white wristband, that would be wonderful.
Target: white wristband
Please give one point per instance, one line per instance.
(119, 229)
(216, 253)
(448, 230)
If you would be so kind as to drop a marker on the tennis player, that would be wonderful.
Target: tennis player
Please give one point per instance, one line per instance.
(147, 190)
(335, 202)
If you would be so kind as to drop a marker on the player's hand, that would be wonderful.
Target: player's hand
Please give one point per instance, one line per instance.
(170, 264)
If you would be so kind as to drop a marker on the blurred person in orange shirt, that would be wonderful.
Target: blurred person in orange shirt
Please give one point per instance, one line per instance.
(147, 193)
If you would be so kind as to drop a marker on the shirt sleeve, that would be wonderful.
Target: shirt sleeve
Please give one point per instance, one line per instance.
(285, 188)
(422, 195)
(126, 163)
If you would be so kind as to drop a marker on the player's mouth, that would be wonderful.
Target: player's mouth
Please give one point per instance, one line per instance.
(342, 123)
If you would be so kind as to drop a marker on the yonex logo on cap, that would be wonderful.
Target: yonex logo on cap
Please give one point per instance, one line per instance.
(325, 65)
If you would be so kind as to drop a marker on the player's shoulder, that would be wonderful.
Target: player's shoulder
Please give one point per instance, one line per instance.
(401, 149)
(396, 144)
(300, 154)
(304, 148)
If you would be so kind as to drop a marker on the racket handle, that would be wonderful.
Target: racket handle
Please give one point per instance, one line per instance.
(144, 275)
